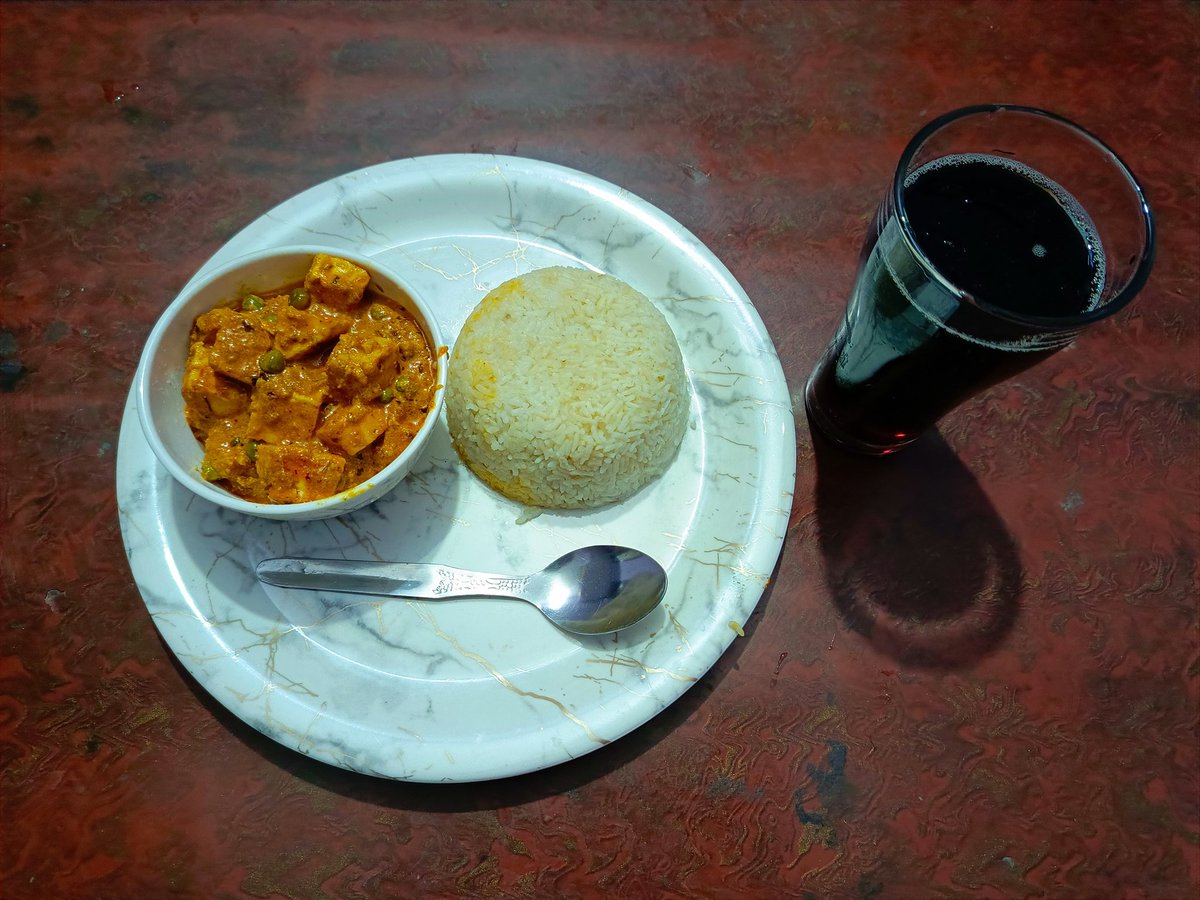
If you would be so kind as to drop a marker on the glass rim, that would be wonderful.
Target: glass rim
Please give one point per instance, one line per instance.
(1049, 323)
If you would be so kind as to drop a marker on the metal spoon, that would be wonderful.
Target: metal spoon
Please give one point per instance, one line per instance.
(592, 590)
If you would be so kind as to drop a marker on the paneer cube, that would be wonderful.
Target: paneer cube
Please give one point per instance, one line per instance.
(298, 472)
(209, 323)
(225, 454)
(353, 427)
(237, 348)
(196, 370)
(285, 407)
(207, 395)
(336, 282)
(362, 362)
(298, 331)
(226, 398)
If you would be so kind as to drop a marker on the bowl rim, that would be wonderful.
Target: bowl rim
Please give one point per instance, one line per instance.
(199, 282)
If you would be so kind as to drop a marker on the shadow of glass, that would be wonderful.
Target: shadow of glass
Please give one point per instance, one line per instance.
(473, 796)
(916, 557)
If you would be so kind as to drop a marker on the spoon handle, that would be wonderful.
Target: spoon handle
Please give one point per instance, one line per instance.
(387, 579)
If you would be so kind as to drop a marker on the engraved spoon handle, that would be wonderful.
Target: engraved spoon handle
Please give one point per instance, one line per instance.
(388, 579)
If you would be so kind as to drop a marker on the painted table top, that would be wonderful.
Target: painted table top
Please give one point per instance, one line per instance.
(974, 669)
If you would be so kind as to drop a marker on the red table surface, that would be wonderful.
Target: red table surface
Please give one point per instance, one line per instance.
(1022, 724)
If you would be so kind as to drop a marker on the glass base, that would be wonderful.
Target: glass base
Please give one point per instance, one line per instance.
(827, 428)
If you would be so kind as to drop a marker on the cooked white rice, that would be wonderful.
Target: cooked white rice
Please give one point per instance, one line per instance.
(566, 390)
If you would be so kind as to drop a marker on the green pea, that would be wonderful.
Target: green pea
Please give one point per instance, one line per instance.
(209, 472)
(272, 362)
(251, 450)
(252, 303)
(387, 395)
(401, 384)
(378, 312)
(299, 299)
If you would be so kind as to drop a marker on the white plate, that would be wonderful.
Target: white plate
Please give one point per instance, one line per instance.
(481, 689)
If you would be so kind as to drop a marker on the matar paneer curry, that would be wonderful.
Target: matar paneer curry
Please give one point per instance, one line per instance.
(303, 392)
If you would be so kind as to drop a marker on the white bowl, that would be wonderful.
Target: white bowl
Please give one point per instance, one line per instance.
(158, 382)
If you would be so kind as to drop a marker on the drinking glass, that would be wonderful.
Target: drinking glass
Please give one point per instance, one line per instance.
(1007, 231)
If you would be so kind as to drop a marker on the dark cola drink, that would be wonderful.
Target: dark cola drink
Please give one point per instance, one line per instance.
(993, 249)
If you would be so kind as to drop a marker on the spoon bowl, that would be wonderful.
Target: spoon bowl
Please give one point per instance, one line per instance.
(592, 590)
(595, 590)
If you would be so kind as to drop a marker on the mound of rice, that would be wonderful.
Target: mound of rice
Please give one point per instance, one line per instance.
(566, 390)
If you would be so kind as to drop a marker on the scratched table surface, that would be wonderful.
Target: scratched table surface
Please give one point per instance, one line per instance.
(975, 672)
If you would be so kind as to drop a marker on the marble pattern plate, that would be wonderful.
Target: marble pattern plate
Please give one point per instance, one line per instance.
(481, 688)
